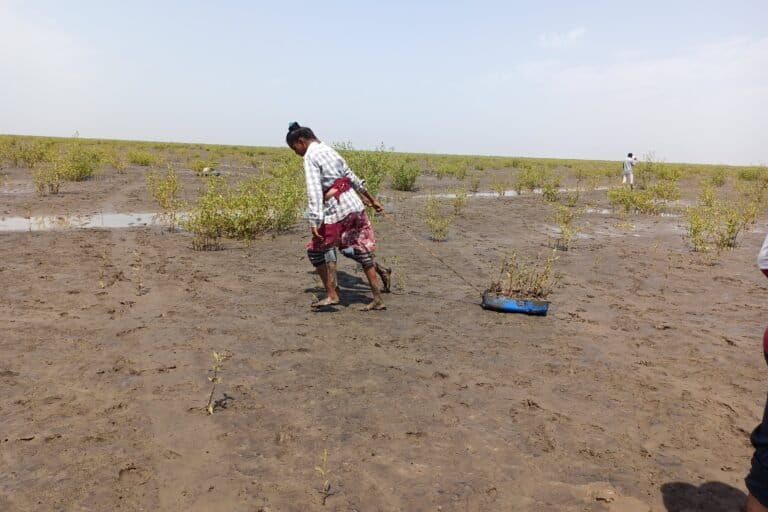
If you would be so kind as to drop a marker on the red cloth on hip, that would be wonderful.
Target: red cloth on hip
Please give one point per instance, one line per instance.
(353, 231)
(338, 187)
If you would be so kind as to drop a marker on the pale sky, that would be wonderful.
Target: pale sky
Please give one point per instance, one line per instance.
(687, 79)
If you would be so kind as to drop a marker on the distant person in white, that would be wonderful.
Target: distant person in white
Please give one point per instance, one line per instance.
(629, 165)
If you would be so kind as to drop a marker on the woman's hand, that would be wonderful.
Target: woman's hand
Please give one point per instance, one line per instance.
(377, 205)
(316, 234)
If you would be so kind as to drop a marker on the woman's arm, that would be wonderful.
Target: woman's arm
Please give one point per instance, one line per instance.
(315, 199)
(359, 186)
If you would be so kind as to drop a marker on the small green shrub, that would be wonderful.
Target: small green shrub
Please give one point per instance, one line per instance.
(48, 176)
(550, 191)
(209, 219)
(269, 203)
(404, 176)
(166, 191)
(533, 279)
(565, 216)
(455, 168)
(437, 221)
(717, 224)
(571, 199)
(32, 153)
(80, 163)
(651, 170)
(474, 184)
(143, 158)
(459, 201)
(371, 166)
(499, 186)
(529, 178)
(750, 174)
(199, 165)
(665, 190)
(117, 162)
(634, 201)
(717, 177)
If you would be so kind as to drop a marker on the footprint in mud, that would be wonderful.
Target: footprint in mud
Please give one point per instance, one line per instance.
(131, 474)
(300, 350)
(447, 415)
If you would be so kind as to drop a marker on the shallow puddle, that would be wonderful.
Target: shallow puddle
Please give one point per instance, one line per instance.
(95, 221)
(506, 193)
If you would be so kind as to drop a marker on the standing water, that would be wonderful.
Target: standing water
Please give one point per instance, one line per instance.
(94, 221)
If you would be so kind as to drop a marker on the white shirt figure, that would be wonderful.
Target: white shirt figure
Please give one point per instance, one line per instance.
(629, 165)
(762, 257)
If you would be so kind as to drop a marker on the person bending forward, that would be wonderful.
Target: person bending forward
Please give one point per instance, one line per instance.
(336, 213)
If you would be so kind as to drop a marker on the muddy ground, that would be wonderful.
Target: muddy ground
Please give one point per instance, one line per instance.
(636, 393)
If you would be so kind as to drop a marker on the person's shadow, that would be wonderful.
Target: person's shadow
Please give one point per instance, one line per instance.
(707, 497)
(352, 290)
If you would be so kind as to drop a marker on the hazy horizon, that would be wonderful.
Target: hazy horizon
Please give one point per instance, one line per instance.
(687, 81)
(395, 150)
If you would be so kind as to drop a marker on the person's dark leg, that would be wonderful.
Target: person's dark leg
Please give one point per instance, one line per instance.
(317, 258)
(757, 479)
(330, 260)
(365, 259)
(385, 274)
(378, 302)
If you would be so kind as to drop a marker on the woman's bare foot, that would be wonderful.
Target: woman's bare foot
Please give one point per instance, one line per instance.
(375, 305)
(385, 274)
(328, 301)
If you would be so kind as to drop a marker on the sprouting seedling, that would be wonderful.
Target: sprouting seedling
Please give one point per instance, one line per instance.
(102, 273)
(325, 491)
(218, 362)
(138, 272)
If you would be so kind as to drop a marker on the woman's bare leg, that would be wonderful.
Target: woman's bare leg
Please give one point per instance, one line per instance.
(378, 302)
(385, 274)
(329, 282)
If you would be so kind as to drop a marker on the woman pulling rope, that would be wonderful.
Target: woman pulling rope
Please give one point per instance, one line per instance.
(336, 213)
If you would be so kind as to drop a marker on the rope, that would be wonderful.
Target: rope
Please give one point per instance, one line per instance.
(424, 246)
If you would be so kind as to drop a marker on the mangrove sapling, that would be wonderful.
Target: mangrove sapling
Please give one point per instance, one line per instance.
(531, 178)
(138, 273)
(459, 201)
(166, 191)
(549, 191)
(404, 175)
(565, 216)
(533, 279)
(713, 223)
(117, 163)
(717, 178)
(48, 176)
(437, 221)
(325, 490)
(218, 359)
(80, 162)
(500, 187)
(474, 184)
(143, 158)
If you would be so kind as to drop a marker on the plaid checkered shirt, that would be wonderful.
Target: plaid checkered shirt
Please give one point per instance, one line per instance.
(322, 166)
